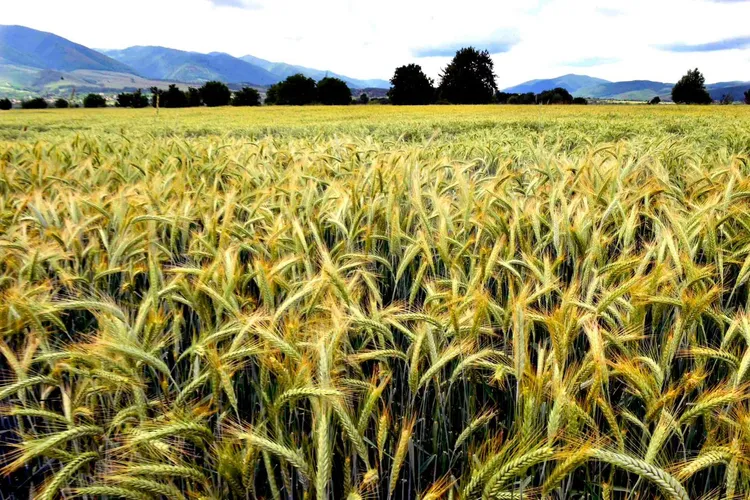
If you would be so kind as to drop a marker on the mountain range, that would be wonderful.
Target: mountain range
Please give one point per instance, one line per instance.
(35, 62)
(635, 90)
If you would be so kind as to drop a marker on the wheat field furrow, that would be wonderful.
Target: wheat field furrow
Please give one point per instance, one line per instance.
(464, 303)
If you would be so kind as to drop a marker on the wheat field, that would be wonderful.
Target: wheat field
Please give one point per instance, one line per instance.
(375, 303)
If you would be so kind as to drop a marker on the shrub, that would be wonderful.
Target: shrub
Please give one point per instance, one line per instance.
(94, 101)
(580, 101)
(364, 98)
(655, 100)
(5, 104)
(246, 97)
(726, 99)
(36, 103)
(61, 104)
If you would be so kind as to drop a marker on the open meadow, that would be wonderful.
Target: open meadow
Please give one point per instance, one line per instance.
(375, 302)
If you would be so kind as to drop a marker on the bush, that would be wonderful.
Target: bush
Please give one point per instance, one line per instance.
(246, 97)
(5, 104)
(61, 104)
(580, 101)
(364, 99)
(94, 101)
(469, 78)
(333, 91)
(214, 94)
(747, 97)
(410, 86)
(296, 90)
(36, 103)
(655, 100)
(691, 89)
(726, 99)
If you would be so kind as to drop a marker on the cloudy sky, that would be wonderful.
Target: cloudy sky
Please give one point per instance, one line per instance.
(616, 40)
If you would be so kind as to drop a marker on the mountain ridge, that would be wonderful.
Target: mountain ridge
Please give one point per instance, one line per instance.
(27, 47)
(631, 90)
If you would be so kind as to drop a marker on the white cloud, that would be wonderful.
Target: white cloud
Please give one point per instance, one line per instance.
(369, 39)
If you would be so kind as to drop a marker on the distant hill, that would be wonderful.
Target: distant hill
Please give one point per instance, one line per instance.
(635, 90)
(735, 89)
(191, 67)
(571, 83)
(283, 70)
(25, 47)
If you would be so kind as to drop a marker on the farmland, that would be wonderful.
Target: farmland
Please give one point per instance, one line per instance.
(376, 302)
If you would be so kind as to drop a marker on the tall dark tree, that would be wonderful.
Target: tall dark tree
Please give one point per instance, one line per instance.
(364, 98)
(691, 89)
(5, 104)
(410, 86)
(248, 96)
(296, 90)
(61, 104)
(272, 94)
(469, 78)
(134, 100)
(35, 103)
(94, 101)
(173, 97)
(124, 100)
(334, 91)
(215, 94)
(747, 97)
(194, 99)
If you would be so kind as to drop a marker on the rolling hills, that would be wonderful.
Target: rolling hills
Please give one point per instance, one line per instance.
(26, 47)
(634, 90)
(34, 62)
(283, 70)
(191, 67)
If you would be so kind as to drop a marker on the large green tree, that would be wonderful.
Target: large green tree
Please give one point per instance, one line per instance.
(94, 101)
(747, 97)
(334, 91)
(469, 78)
(248, 96)
(691, 89)
(410, 85)
(296, 90)
(215, 94)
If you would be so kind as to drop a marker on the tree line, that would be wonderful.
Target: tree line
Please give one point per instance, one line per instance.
(469, 78)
